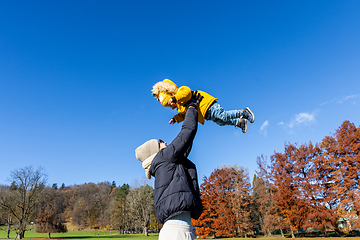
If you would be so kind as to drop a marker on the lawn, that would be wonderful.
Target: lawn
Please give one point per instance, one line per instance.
(82, 235)
(100, 235)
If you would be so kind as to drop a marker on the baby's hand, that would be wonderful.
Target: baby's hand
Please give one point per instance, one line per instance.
(170, 102)
(172, 121)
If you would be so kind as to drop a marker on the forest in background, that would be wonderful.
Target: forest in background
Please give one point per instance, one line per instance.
(309, 188)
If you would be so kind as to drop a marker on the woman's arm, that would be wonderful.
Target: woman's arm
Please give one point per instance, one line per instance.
(181, 145)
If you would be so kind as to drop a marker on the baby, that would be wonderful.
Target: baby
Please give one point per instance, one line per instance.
(169, 95)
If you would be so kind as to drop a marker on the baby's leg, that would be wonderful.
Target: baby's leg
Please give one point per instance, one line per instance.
(217, 113)
(221, 122)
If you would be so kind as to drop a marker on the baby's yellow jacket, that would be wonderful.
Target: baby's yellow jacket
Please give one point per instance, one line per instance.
(183, 95)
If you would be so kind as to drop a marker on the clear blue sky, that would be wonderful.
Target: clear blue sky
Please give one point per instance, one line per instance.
(76, 79)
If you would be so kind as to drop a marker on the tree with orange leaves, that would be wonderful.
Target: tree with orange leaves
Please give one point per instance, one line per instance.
(342, 150)
(285, 177)
(217, 219)
(263, 194)
(242, 201)
(313, 184)
(205, 221)
(314, 188)
(50, 217)
(226, 200)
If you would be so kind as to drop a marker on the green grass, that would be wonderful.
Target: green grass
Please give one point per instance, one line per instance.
(100, 235)
(80, 235)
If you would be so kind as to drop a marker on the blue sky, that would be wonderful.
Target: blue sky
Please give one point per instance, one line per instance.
(76, 80)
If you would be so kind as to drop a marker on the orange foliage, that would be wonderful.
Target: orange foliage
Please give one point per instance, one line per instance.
(318, 185)
(226, 197)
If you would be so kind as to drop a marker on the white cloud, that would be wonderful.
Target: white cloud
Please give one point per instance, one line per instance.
(265, 124)
(302, 119)
(264, 127)
(280, 123)
(346, 98)
(341, 100)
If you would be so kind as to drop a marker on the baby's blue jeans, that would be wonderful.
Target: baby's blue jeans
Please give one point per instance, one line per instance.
(221, 117)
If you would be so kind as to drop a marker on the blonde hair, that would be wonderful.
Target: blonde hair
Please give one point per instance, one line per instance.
(165, 86)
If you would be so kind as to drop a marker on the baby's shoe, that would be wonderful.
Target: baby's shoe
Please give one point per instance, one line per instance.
(242, 123)
(248, 114)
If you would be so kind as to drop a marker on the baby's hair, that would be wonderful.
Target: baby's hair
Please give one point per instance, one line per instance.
(164, 87)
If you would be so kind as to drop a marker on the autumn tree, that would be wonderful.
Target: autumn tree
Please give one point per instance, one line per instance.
(50, 217)
(224, 224)
(342, 149)
(141, 205)
(226, 200)
(341, 172)
(268, 216)
(285, 178)
(205, 221)
(314, 188)
(27, 185)
(154, 223)
(242, 201)
(6, 217)
(318, 184)
(257, 216)
(107, 198)
(218, 188)
(308, 179)
(120, 211)
(89, 204)
(113, 186)
(262, 196)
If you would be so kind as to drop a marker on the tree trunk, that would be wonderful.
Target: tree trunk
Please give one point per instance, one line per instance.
(21, 231)
(8, 232)
(292, 234)
(146, 231)
(282, 233)
(21, 234)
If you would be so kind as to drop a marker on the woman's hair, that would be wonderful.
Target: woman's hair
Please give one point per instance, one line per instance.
(164, 87)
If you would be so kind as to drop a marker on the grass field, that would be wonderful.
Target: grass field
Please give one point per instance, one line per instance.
(100, 235)
(80, 235)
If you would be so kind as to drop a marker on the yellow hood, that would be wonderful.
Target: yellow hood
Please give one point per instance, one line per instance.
(164, 98)
(169, 81)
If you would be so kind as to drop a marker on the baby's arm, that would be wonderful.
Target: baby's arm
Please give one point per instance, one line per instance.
(177, 118)
(183, 95)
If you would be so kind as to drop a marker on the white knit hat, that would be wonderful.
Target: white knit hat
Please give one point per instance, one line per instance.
(146, 153)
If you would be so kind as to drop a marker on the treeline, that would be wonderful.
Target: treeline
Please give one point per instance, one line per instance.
(101, 206)
(308, 188)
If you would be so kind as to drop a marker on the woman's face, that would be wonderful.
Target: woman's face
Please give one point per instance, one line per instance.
(162, 144)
